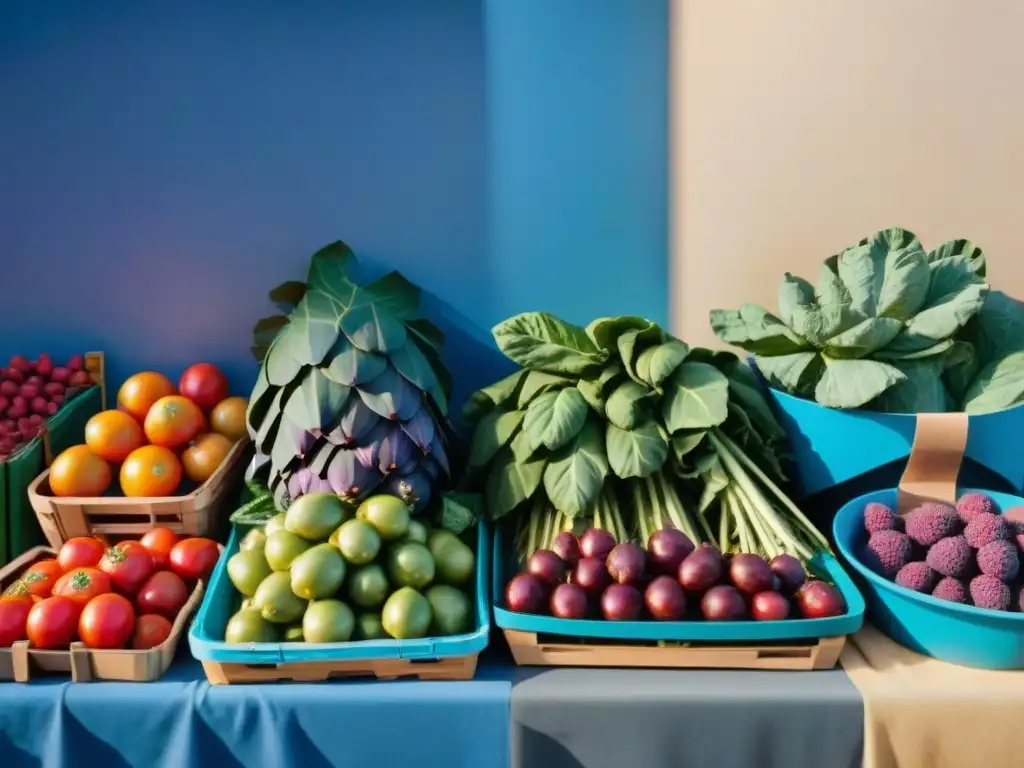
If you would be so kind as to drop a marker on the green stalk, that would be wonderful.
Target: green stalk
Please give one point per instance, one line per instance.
(676, 510)
(620, 532)
(723, 527)
(742, 526)
(765, 540)
(702, 521)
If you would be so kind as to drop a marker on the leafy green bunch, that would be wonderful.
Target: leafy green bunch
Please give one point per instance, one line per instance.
(889, 327)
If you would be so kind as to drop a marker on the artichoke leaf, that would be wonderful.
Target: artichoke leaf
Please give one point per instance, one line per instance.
(316, 402)
(410, 361)
(390, 395)
(427, 332)
(420, 429)
(350, 366)
(396, 295)
(371, 328)
(397, 453)
(260, 400)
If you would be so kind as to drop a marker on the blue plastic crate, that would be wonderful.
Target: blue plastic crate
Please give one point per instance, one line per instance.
(206, 637)
(697, 631)
(820, 440)
(960, 634)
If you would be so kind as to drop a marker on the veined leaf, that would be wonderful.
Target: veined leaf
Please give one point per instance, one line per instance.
(998, 329)
(509, 483)
(329, 271)
(395, 295)
(831, 292)
(316, 402)
(955, 295)
(371, 328)
(854, 383)
(863, 268)
(483, 400)
(287, 296)
(756, 330)
(605, 331)
(864, 339)
(797, 374)
(357, 421)
(350, 366)
(539, 382)
(460, 511)
(575, 474)
(290, 443)
(921, 391)
(427, 332)
(315, 322)
(696, 397)
(555, 418)
(523, 447)
(636, 452)
(259, 403)
(391, 396)
(795, 296)
(411, 363)
(715, 479)
(628, 405)
(491, 434)
(264, 332)
(745, 391)
(998, 385)
(280, 364)
(685, 443)
(950, 250)
(541, 341)
(632, 343)
(662, 362)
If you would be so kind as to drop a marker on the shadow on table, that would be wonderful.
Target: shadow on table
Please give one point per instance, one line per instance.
(533, 747)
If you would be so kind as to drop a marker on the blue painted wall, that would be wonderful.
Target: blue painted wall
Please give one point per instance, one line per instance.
(164, 164)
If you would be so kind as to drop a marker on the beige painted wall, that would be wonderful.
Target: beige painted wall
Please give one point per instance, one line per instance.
(800, 126)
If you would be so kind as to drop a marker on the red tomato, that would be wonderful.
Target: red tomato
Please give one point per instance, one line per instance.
(204, 385)
(82, 585)
(52, 623)
(80, 552)
(194, 558)
(128, 567)
(150, 631)
(14, 613)
(40, 577)
(107, 621)
(164, 593)
(160, 542)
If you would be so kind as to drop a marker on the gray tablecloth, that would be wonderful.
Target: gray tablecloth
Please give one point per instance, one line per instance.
(615, 718)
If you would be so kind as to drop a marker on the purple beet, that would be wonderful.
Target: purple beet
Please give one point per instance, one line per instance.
(790, 572)
(818, 600)
(667, 548)
(567, 547)
(621, 602)
(526, 593)
(665, 599)
(591, 574)
(750, 574)
(723, 603)
(769, 606)
(546, 566)
(701, 569)
(596, 543)
(569, 601)
(626, 563)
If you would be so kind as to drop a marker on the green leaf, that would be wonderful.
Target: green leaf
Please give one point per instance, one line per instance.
(391, 396)
(831, 292)
(721, 359)
(265, 431)
(316, 402)
(539, 382)
(998, 329)
(427, 332)
(950, 250)
(329, 272)
(756, 330)
(628, 405)
(260, 400)
(350, 366)
(541, 341)
(998, 385)
(921, 392)
(960, 364)
(854, 383)
(412, 363)
(595, 388)
(395, 295)
(905, 283)
(896, 355)
(864, 339)
(863, 269)
(662, 361)
(696, 397)
(632, 343)
(287, 295)
(605, 331)
(264, 332)
(315, 326)
(483, 400)
(743, 388)
(575, 474)
(460, 511)
(372, 328)
(280, 364)
(714, 477)
(636, 452)
(796, 374)
(523, 446)
(795, 297)
(555, 418)
(491, 434)
(510, 483)
(685, 443)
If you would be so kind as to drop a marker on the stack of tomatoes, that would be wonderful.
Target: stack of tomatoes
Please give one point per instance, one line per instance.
(127, 595)
(159, 435)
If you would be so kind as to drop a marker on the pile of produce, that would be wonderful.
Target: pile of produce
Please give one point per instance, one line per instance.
(126, 596)
(966, 554)
(890, 327)
(30, 392)
(671, 580)
(159, 441)
(351, 397)
(327, 572)
(622, 427)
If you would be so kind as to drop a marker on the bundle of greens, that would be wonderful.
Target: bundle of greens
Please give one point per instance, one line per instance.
(624, 427)
(890, 327)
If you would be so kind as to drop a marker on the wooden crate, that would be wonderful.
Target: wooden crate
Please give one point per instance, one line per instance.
(452, 668)
(532, 650)
(114, 518)
(21, 662)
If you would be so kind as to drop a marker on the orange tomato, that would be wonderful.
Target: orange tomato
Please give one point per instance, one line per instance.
(173, 421)
(82, 585)
(204, 455)
(139, 392)
(159, 542)
(112, 435)
(79, 472)
(228, 418)
(150, 471)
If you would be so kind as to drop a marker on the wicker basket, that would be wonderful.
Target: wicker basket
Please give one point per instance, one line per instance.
(113, 518)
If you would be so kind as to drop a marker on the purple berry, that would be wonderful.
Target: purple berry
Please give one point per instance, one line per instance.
(930, 522)
(887, 552)
(879, 517)
(988, 592)
(917, 576)
(950, 589)
(986, 527)
(999, 560)
(951, 557)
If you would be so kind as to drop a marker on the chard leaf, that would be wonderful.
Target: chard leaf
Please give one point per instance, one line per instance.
(685, 443)
(491, 434)
(539, 382)
(636, 452)
(696, 397)
(555, 418)
(797, 374)
(605, 331)
(510, 483)
(754, 329)
(663, 360)
(955, 295)
(350, 366)
(714, 477)
(854, 383)
(631, 344)
(575, 474)
(483, 400)
(391, 396)
(998, 385)
(287, 296)
(395, 295)
(864, 339)
(921, 391)
(541, 341)
(965, 248)
(316, 402)
(628, 405)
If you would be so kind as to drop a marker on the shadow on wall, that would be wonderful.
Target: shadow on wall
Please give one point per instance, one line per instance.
(166, 164)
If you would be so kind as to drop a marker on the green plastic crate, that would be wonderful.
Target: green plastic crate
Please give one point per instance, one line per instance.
(19, 528)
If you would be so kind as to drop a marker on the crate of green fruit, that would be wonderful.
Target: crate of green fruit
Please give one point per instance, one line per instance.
(328, 590)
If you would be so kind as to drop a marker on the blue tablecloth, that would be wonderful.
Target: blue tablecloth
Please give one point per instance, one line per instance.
(182, 722)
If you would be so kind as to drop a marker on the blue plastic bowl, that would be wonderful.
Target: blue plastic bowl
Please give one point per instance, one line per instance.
(696, 631)
(959, 634)
(820, 440)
